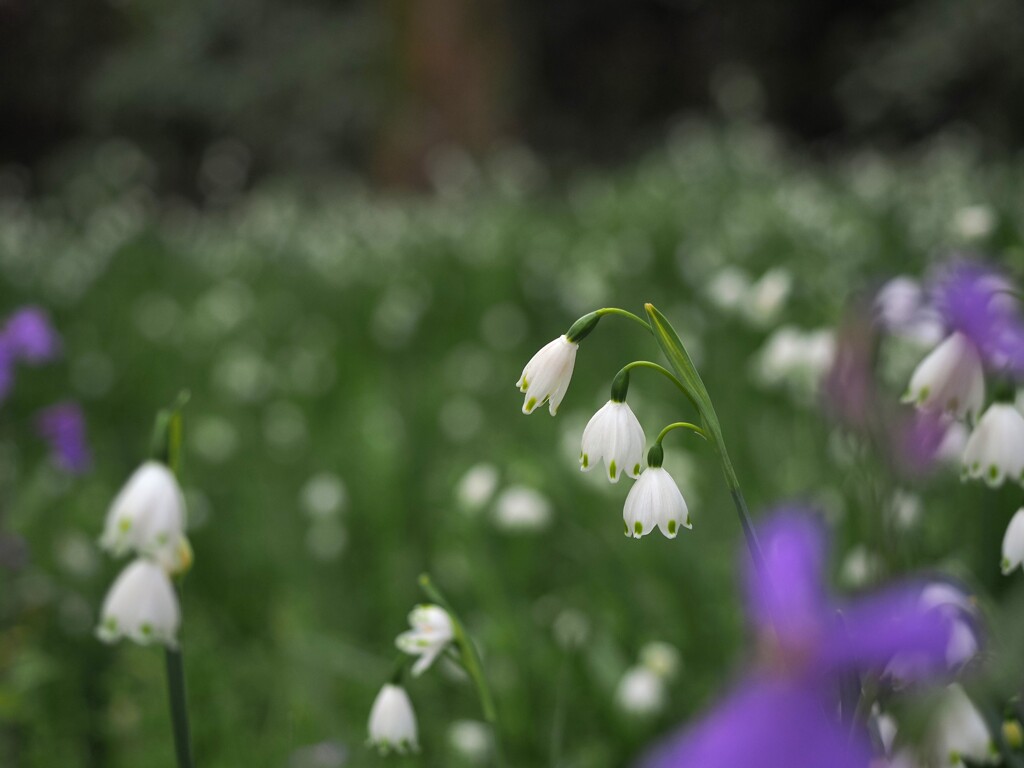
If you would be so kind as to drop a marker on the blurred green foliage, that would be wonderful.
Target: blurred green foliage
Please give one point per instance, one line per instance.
(351, 356)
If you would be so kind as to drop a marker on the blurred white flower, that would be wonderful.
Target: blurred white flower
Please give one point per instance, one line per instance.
(546, 377)
(860, 567)
(655, 500)
(613, 435)
(959, 731)
(471, 739)
(887, 729)
(728, 288)
(477, 486)
(767, 297)
(324, 495)
(661, 658)
(795, 359)
(431, 633)
(519, 508)
(905, 508)
(949, 379)
(641, 691)
(951, 449)
(147, 516)
(959, 608)
(995, 450)
(1013, 543)
(142, 606)
(571, 629)
(392, 721)
(973, 222)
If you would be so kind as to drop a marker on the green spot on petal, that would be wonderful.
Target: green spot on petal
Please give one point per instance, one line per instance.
(993, 472)
(638, 527)
(586, 460)
(636, 469)
(672, 527)
(611, 470)
(531, 403)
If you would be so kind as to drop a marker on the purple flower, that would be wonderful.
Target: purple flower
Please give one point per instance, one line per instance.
(63, 427)
(29, 336)
(787, 714)
(979, 302)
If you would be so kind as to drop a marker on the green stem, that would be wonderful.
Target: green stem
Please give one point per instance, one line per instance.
(663, 371)
(680, 425)
(622, 313)
(179, 707)
(470, 661)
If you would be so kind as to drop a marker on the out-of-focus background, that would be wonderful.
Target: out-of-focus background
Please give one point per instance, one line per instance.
(345, 227)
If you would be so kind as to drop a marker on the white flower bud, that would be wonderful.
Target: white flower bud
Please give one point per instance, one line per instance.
(949, 379)
(392, 721)
(614, 436)
(142, 606)
(546, 377)
(147, 516)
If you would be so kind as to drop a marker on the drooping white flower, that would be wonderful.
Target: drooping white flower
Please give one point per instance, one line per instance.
(142, 606)
(995, 449)
(961, 611)
(1013, 543)
(613, 435)
(641, 691)
(148, 515)
(655, 500)
(431, 633)
(949, 379)
(393, 722)
(546, 377)
(959, 731)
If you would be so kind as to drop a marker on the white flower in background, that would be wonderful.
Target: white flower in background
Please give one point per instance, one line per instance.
(767, 297)
(795, 359)
(613, 435)
(973, 222)
(902, 309)
(393, 722)
(148, 514)
(641, 691)
(728, 289)
(477, 486)
(661, 658)
(995, 449)
(949, 379)
(519, 508)
(431, 633)
(951, 449)
(1013, 543)
(655, 500)
(959, 608)
(142, 606)
(860, 567)
(471, 739)
(887, 728)
(905, 509)
(959, 731)
(546, 377)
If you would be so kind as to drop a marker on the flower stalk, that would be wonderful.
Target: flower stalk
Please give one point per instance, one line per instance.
(166, 447)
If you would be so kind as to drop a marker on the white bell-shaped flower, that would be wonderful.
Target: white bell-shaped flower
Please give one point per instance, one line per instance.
(949, 379)
(546, 377)
(959, 731)
(431, 633)
(393, 722)
(1013, 543)
(148, 515)
(995, 449)
(142, 606)
(655, 500)
(613, 435)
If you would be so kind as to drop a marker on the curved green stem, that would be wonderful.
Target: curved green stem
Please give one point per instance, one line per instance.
(663, 371)
(680, 425)
(470, 661)
(622, 313)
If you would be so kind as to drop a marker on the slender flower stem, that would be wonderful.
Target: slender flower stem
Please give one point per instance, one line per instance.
(470, 662)
(179, 708)
(680, 425)
(167, 438)
(663, 371)
(622, 313)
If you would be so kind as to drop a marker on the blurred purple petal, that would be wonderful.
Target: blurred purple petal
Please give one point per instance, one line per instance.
(876, 629)
(30, 336)
(978, 301)
(790, 596)
(63, 427)
(767, 723)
